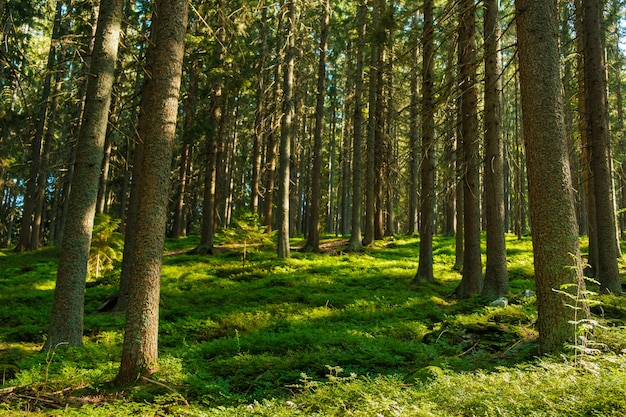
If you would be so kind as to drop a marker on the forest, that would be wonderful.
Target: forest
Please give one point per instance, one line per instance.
(317, 208)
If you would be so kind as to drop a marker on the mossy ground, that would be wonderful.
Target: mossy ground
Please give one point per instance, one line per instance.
(330, 334)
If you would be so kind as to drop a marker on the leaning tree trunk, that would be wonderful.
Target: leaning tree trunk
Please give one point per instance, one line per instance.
(66, 324)
(139, 351)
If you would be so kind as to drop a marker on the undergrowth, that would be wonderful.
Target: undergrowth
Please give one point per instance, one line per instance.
(330, 334)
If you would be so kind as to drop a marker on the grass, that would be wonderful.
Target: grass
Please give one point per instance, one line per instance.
(336, 334)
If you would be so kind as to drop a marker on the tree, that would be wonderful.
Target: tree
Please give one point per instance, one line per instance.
(472, 281)
(597, 124)
(425, 267)
(29, 235)
(357, 145)
(496, 275)
(66, 323)
(159, 108)
(286, 132)
(554, 228)
(313, 237)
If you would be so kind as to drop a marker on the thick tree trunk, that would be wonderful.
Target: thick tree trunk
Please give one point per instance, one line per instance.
(66, 324)
(139, 352)
(555, 232)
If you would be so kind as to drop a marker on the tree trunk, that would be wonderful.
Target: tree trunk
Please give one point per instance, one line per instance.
(178, 223)
(259, 114)
(414, 140)
(286, 132)
(372, 126)
(496, 275)
(472, 280)
(599, 135)
(555, 232)
(26, 239)
(313, 237)
(66, 324)
(355, 243)
(425, 267)
(139, 352)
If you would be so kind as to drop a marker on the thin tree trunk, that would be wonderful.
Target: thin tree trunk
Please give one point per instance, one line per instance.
(496, 274)
(472, 280)
(286, 132)
(425, 267)
(355, 243)
(414, 140)
(26, 240)
(313, 236)
(260, 113)
(585, 143)
(598, 131)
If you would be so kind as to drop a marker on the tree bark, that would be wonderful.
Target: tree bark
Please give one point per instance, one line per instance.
(598, 132)
(425, 267)
(313, 237)
(496, 275)
(472, 280)
(355, 243)
(286, 132)
(66, 324)
(554, 228)
(139, 352)
(26, 239)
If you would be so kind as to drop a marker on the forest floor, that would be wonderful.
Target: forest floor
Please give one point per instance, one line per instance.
(328, 334)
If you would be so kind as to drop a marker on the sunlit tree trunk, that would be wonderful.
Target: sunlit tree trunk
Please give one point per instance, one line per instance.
(139, 351)
(66, 324)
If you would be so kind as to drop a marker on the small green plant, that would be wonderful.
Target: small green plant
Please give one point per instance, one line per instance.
(106, 245)
(246, 229)
(580, 299)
